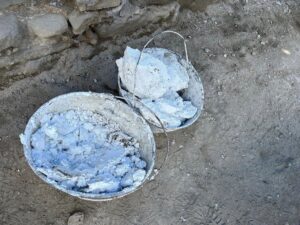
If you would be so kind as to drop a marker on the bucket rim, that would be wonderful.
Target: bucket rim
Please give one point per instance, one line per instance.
(124, 93)
(81, 195)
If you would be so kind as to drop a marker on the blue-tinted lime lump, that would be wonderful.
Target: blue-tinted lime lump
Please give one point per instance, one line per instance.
(82, 151)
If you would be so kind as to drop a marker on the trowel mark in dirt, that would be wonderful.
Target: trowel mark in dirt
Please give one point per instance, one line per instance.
(196, 213)
(209, 216)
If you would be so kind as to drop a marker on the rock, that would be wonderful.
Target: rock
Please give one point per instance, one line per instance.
(34, 66)
(64, 9)
(33, 52)
(6, 3)
(143, 3)
(131, 22)
(91, 37)
(76, 218)
(48, 25)
(39, 65)
(84, 5)
(81, 21)
(10, 34)
(129, 9)
(86, 51)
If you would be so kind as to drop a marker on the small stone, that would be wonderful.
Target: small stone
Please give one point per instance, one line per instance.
(269, 197)
(91, 37)
(81, 21)
(8, 52)
(132, 22)
(206, 50)
(10, 34)
(155, 173)
(84, 5)
(182, 219)
(53, 4)
(285, 51)
(48, 25)
(56, 3)
(86, 51)
(76, 218)
(173, 142)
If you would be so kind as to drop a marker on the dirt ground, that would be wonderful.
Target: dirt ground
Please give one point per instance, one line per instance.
(238, 165)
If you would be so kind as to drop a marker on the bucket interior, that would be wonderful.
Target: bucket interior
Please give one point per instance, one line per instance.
(193, 93)
(110, 108)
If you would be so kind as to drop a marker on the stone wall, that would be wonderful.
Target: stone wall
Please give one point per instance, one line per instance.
(32, 32)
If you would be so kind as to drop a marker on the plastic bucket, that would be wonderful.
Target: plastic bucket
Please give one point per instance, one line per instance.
(112, 109)
(193, 93)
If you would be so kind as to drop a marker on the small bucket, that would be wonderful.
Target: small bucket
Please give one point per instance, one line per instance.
(193, 93)
(113, 110)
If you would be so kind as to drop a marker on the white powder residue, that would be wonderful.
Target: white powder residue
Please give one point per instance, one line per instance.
(81, 151)
(159, 76)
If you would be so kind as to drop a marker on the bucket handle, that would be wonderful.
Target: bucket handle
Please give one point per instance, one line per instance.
(145, 46)
(136, 99)
(156, 170)
(163, 32)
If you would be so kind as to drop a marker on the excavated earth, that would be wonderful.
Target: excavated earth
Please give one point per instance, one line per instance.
(238, 165)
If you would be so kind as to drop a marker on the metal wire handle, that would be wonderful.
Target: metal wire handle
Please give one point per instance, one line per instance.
(135, 99)
(145, 46)
(155, 173)
(163, 32)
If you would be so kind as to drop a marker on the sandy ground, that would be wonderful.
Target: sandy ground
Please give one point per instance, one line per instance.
(239, 164)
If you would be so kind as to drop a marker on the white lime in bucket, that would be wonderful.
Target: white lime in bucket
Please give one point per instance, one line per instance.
(89, 145)
(164, 87)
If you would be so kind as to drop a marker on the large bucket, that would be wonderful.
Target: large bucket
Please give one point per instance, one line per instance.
(193, 93)
(112, 109)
